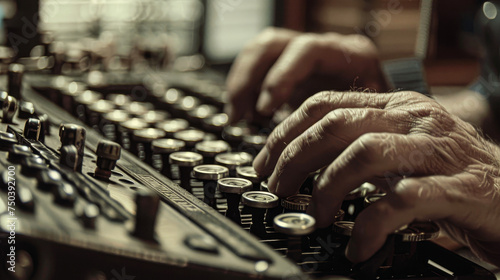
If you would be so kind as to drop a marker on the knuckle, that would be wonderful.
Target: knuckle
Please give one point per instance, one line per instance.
(286, 158)
(367, 148)
(307, 41)
(267, 37)
(406, 193)
(276, 137)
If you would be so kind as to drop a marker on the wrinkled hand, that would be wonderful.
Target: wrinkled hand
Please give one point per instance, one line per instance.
(282, 65)
(432, 165)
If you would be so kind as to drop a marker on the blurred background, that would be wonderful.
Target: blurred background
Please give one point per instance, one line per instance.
(443, 35)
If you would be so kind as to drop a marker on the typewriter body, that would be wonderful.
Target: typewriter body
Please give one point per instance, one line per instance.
(117, 167)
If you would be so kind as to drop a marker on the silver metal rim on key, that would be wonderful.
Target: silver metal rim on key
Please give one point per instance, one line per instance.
(148, 134)
(210, 172)
(343, 227)
(234, 185)
(190, 135)
(297, 202)
(248, 172)
(173, 125)
(212, 147)
(233, 159)
(260, 199)
(294, 223)
(186, 158)
(167, 145)
(419, 231)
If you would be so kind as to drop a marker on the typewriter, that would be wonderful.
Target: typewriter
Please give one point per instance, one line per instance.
(137, 175)
(134, 173)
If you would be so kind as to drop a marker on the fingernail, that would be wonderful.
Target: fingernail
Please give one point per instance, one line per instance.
(272, 183)
(350, 251)
(229, 110)
(260, 162)
(264, 103)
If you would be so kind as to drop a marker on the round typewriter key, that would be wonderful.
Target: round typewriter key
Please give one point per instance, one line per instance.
(233, 188)
(198, 114)
(295, 225)
(419, 231)
(190, 136)
(119, 100)
(142, 139)
(258, 202)
(125, 132)
(138, 108)
(111, 124)
(83, 101)
(185, 104)
(172, 96)
(185, 161)
(209, 149)
(97, 110)
(172, 126)
(253, 143)
(155, 116)
(216, 123)
(354, 202)
(249, 173)
(233, 160)
(165, 147)
(234, 134)
(296, 203)
(209, 174)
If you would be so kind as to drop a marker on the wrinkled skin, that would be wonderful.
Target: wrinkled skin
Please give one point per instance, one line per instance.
(432, 165)
(286, 66)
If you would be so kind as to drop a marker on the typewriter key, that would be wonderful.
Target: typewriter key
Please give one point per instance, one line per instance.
(143, 138)
(165, 147)
(233, 160)
(190, 137)
(258, 202)
(172, 126)
(296, 203)
(295, 225)
(209, 149)
(209, 174)
(249, 173)
(233, 188)
(185, 161)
